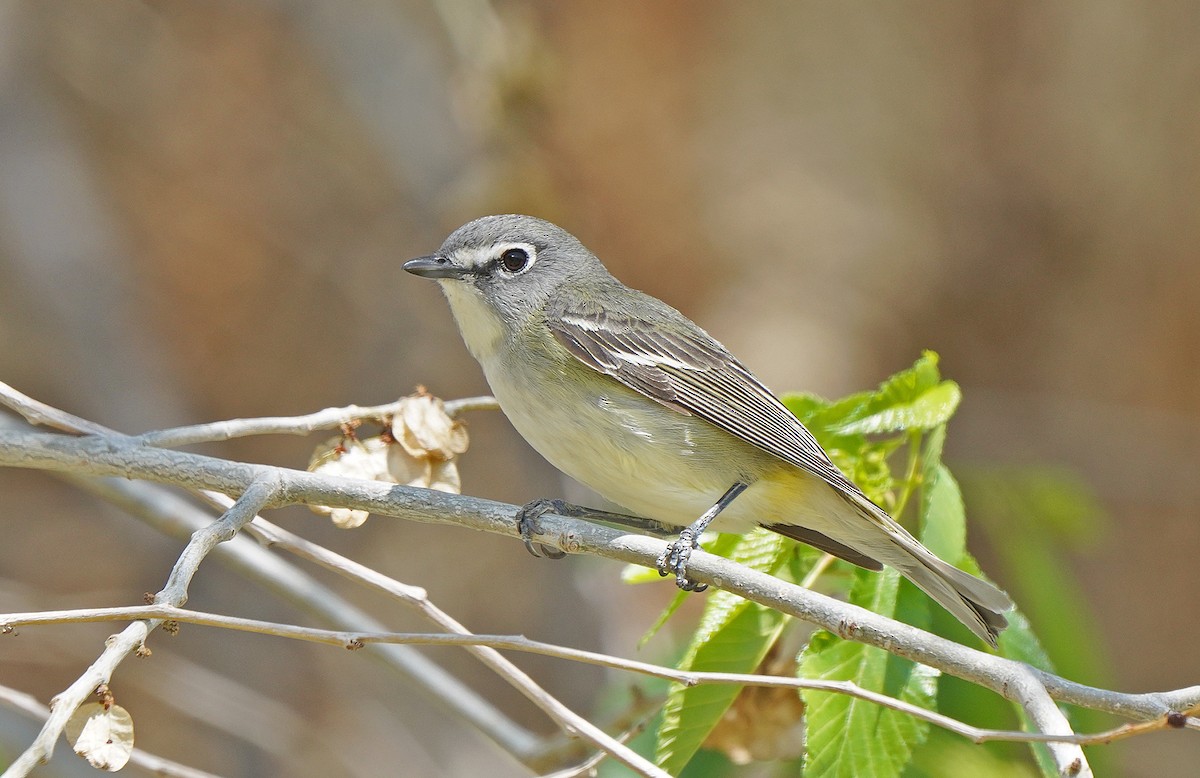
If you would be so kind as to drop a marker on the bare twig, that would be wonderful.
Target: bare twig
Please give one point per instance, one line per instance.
(566, 718)
(39, 413)
(357, 639)
(1035, 690)
(204, 540)
(98, 456)
(329, 418)
(133, 637)
(588, 766)
(117, 647)
(176, 516)
(156, 765)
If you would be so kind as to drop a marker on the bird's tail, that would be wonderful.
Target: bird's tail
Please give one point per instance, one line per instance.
(973, 601)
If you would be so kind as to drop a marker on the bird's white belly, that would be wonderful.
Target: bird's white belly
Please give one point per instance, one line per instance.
(652, 460)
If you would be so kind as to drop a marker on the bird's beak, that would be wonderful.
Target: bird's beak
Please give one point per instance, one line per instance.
(434, 267)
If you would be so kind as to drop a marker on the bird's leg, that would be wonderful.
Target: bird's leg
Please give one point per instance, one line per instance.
(527, 523)
(675, 558)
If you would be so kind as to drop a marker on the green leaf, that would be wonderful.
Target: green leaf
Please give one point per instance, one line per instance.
(738, 645)
(943, 517)
(931, 458)
(915, 398)
(851, 737)
(863, 461)
(909, 384)
(635, 575)
(733, 637)
(932, 407)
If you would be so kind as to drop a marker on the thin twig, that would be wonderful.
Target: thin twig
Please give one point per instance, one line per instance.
(115, 457)
(568, 719)
(357, 639)
(133, 637)
(588, 766)
(175, 516)
(329, 418)
(117, 647)
(39, 413)
(204, 540)
(155, 765)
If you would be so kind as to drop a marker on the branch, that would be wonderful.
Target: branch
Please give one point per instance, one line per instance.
(204, 540)
(133, 637)
(156, 765)
(329, 418)
(177, 517)
(1032, 688)
(102, 456)
(354, 640)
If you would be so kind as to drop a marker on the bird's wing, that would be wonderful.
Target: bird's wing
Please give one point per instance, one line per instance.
(692, 373)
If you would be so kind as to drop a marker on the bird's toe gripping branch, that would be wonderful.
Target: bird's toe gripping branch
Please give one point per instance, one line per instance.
(674, 559)
(528, 524)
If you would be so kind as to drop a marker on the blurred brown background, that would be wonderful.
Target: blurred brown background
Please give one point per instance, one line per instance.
(204, 208)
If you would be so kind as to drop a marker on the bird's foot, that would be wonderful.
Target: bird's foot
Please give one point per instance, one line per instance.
(674, 559)
(528, 525)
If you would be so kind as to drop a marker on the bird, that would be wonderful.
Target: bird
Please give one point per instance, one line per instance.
(626, 395)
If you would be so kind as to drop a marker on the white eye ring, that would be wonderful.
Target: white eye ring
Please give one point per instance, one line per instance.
(515, 258)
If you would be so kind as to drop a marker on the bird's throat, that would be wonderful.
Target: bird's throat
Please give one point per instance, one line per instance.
(482, 330)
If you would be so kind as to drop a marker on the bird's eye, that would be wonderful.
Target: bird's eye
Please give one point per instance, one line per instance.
(514, 260)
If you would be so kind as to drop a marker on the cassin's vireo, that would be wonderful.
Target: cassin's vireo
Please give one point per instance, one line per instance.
(623, 393)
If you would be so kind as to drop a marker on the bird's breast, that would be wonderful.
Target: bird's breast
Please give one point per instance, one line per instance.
(653, 460)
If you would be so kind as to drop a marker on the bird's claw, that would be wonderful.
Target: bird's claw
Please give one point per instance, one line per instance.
(674, 559)
(528, 525)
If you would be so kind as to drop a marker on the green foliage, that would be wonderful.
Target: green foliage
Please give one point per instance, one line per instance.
(733, 637)
(901, 424)
(914, 399)
(848, 737)
(851, 737)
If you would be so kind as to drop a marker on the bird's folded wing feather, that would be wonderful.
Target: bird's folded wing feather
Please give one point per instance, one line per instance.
(692, 373)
